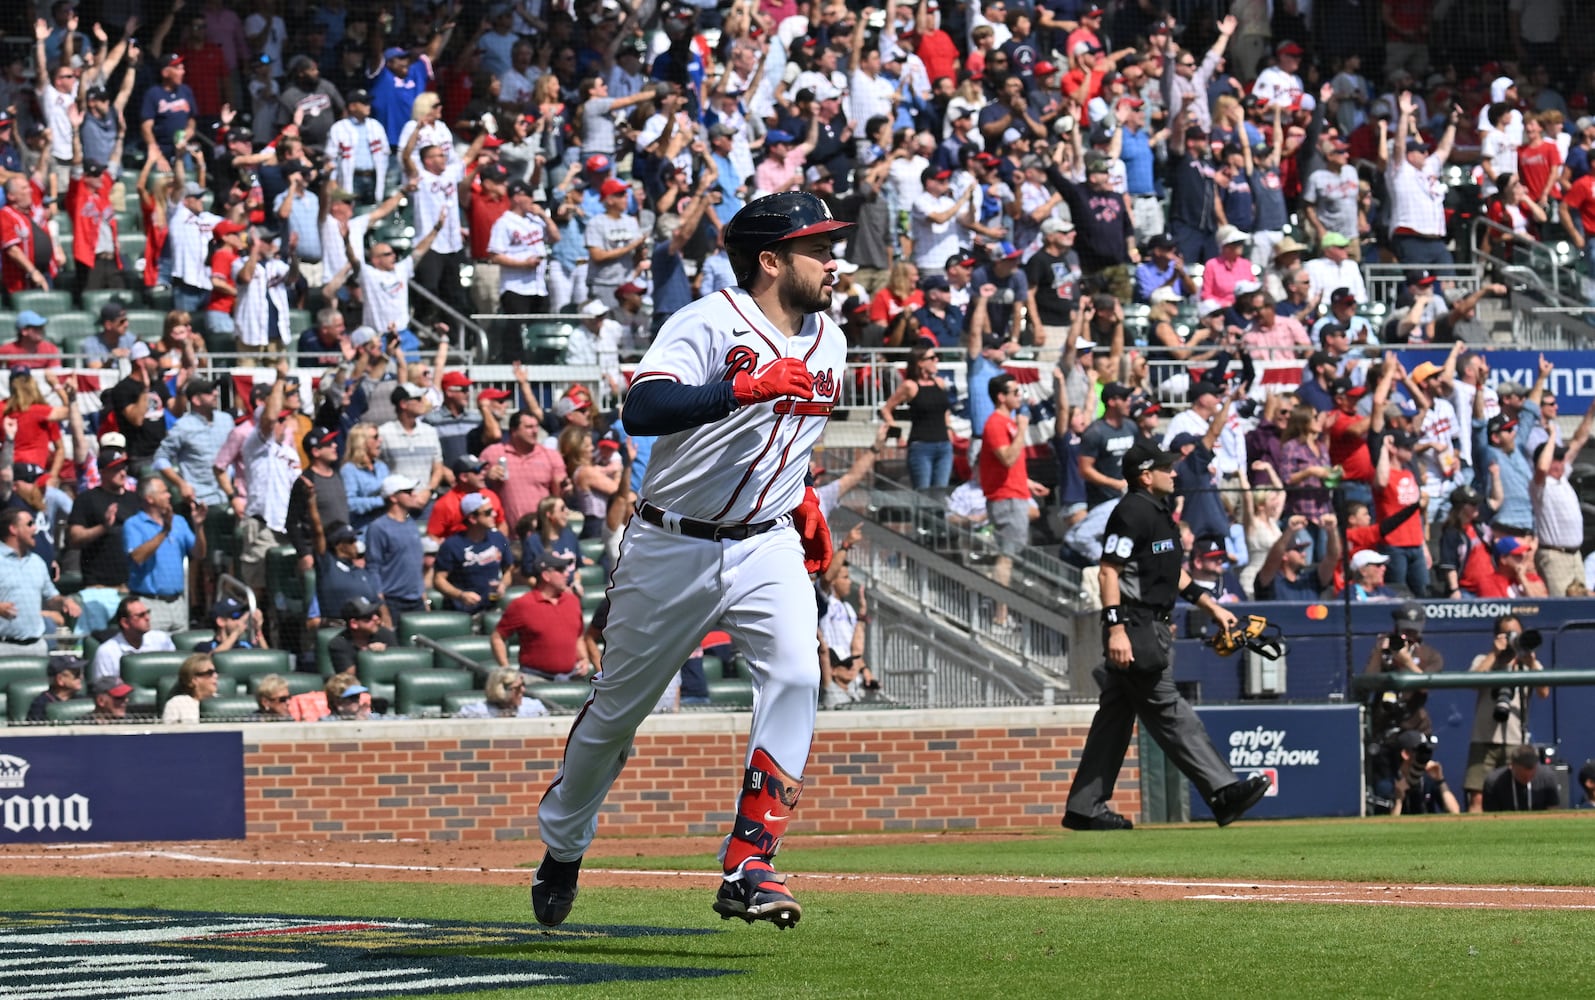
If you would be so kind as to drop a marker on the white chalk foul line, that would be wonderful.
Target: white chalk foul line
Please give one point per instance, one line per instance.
(1277, 892)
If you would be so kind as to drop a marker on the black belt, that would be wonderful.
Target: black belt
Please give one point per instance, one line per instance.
(709, 531)
(364, 173)
(1162, 614)
(21, 642)
(1572, 551)
(160, 597)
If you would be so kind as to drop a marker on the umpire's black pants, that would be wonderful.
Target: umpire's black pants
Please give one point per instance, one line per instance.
(1144, 691)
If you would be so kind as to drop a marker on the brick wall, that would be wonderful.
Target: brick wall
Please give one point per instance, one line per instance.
(869, 771)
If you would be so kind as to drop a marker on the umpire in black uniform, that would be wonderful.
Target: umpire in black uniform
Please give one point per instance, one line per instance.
(1142, 573)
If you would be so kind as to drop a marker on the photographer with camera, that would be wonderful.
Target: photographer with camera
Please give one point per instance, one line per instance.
(1402, 650)
(1500, 717)
(1408, 780)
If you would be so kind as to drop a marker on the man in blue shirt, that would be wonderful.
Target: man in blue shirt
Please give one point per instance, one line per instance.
(1503, 458)
(157, 541)
(394, 87)
(25, 586)
(393, 546)
(188, 451)
(473, 567)
(938, 317)
(672, 287)
(169, 107)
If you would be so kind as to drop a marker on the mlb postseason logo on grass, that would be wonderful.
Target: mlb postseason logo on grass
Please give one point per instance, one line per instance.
(228, 956)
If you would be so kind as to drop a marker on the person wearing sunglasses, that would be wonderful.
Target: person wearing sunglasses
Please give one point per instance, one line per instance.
(196, 681)
(272, 698)
(504, 697)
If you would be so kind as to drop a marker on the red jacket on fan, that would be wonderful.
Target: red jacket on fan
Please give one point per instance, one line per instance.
(88, 199)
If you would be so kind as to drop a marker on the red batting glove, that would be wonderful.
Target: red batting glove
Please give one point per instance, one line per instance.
(784, 377)
(813, 532)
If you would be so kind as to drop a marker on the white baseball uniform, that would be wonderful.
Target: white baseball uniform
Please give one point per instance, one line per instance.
(668, 589)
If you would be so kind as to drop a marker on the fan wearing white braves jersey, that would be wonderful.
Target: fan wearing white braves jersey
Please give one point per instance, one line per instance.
(737, 387)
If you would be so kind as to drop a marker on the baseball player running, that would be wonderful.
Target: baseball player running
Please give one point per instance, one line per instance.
(738, 388)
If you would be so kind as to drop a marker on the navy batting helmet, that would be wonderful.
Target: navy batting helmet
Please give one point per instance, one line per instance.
(774, 219)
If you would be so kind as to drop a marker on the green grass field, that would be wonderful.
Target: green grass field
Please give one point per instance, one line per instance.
(860, 944)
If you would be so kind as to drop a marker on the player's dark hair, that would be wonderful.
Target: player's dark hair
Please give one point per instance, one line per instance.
(745, 264)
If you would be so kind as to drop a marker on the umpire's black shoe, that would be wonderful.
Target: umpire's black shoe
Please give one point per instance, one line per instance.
(554, 890)
(1232, 801)
(1105, 820)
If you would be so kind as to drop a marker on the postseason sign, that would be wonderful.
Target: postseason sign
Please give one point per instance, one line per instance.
(138, 786)
(1313, 753)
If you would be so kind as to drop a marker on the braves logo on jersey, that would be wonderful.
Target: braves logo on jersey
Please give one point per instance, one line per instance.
(740, 358)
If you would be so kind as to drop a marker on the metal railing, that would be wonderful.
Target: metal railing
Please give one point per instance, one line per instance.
(1548, 306)
(937, 638)
(467, 324)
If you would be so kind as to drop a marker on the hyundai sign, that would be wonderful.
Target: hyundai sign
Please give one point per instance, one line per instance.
(157, 786)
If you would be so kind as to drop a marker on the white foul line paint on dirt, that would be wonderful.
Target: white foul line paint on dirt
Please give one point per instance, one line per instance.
(1251, 891)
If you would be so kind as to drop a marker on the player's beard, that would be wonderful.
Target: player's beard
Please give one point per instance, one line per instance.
(805, 298)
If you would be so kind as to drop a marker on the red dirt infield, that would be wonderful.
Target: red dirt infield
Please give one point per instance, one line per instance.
(486, 863)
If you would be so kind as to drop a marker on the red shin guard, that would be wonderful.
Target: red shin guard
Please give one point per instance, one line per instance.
(768, 796)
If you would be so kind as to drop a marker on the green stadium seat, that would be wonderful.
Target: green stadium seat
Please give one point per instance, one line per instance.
(591, 599)
(300, 320)
(158, 298)
(68, 326)
(562, 697)
(93, 300)
(146, 670)
(234, 707)
(186, 640)
(477, 648)
(146, 324)
(165, 687)
(731, 693)
(72, 343)
(19, 698)
(324, 637)
(20, 670)
(380, 670)
(433, 624)
(490, 618)
(455, 700)
(514, 594)
(46, 304)
(593, 579)
(298, 683)
(420, 692)
(69, 711)
(592, 548)
(576, 520)
(132, 247)
(242, 664)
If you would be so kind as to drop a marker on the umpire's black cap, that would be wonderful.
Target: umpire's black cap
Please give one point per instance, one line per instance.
(1144, 456)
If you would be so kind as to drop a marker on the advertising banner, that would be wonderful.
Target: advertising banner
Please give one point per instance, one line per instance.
(1572, 381)
(138, 786)
(1313, 753)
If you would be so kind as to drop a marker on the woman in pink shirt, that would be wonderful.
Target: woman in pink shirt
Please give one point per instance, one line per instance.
(1221, 274)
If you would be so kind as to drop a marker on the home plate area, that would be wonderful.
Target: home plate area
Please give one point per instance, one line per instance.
(140, 954)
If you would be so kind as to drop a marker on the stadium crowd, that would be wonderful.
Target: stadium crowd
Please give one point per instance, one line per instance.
(1024, 175)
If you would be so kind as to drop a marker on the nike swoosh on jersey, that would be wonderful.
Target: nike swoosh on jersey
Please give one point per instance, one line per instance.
(751, 831)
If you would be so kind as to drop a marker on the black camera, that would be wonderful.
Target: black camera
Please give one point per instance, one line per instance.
(1525, 642)
(1503, 697)
(1246, 409)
